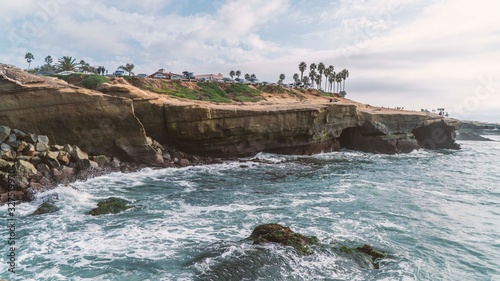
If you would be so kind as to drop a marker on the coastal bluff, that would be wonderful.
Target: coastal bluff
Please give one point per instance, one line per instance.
(121, 118)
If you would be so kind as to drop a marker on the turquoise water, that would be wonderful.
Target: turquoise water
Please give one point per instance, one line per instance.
(435, 213)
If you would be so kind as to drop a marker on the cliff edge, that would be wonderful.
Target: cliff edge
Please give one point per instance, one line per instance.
(116, 120)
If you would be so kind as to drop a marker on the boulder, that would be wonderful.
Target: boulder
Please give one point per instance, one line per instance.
(277, 233)
(12, 141)
(25, 169)
(63, 157)
(5, 165)
(50, 158)
(184, 162)
(19, 134)
(77, 154)
(35, 160)
(30, 150)
(101, 160)
(43, 168)
(56, 147)
(31, 138)
(45, 208)
(111, 205)
(87, 164)
(4, 133)
(22, 146)
(42, 143)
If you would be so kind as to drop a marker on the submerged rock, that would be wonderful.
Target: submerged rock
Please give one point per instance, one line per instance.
(283, 235)
(45, 208)
(111, 205)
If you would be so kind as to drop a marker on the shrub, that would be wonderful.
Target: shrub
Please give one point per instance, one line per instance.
(93, 81)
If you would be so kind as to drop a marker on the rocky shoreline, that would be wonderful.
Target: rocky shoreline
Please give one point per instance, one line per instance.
(35, 165)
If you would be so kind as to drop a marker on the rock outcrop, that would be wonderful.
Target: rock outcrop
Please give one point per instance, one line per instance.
(98, 123)
(219, 130)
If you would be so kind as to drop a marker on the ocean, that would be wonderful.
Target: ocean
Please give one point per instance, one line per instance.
(436, 215)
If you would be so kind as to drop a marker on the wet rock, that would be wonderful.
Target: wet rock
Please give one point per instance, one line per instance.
(367, 249)
(282, 235)
(111, 205)
(45, 208)
(167, 156)
(50, 158)
(4, 133)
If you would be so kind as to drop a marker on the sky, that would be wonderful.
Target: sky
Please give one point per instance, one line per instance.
(423, 54)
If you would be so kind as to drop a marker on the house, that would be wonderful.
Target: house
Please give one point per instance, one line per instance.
(168, 75)
(210, 77)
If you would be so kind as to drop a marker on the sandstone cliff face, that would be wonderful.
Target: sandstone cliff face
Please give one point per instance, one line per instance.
(301, 129)
(98, 123)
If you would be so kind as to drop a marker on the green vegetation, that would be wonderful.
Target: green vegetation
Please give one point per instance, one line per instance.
(242, 92)
(92, 81)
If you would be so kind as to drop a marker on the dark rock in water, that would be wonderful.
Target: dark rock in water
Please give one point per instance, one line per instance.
(111, 205)
(471, 136)
(367, 249)
(365, 255)
(277, 233)
(45, 208)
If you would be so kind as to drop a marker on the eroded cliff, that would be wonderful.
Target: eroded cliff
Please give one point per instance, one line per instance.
(98, 123)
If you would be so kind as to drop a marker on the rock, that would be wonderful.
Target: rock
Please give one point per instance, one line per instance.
(63, 157)
(101, 160)
(87, 164)
(43, 168)
(4, 133)
(367, 249)
(5, 147)
(68, 148)
(30, 150)
(45, 208)
(19, 134)
(77, 154)
(63, 175)
(7, 153)
(184, 162)
(31, 138)
(282, 235)
(25, 169)
(5, 165)
(56, 147)
(12, 141)
(35, 160)
(111, 205)
(42, 143)
(50, 158)
(167, 156)
(115, 163)
(44, 181)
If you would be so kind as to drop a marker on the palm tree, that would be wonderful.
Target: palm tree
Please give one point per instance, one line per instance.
(238, 74)
(296, 77)
(326, 73)
(66, 63)
(48, 60)
(330, 71)
(282, 77)
(128, 68)
(302, 68)
(331, 79)
(253, 77)
(312, 76)
(29, 58)
(321, 69)
(338, 78)
(345, 75)
(232, 73)
(247, 76)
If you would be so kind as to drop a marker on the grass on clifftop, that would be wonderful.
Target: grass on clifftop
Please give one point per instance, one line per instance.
(207, 91)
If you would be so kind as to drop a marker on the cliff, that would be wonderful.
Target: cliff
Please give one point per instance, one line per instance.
(116, 119)
(98, 123)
